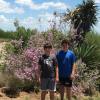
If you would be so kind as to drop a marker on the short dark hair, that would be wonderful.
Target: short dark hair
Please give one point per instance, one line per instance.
(47, 45)
(65, 41)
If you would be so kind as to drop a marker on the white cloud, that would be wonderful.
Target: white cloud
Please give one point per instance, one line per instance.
(45, 5)
(28, 21)
(41, 22)
(25, 2)
(7, 23)
(6, 7)
(46, 16)
(58, 5)
(18, 10)
(97, 1)
(3, 19)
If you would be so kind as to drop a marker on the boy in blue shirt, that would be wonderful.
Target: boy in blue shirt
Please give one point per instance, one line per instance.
(66, 69)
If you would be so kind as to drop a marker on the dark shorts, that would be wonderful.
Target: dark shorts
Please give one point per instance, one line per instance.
(48, 84)
(65, 81)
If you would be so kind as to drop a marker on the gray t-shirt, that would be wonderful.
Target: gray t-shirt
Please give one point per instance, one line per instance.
(47, 66)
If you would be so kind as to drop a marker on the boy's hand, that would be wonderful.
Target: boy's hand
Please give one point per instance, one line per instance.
(57, 79)
(38, 80)
(72, 76)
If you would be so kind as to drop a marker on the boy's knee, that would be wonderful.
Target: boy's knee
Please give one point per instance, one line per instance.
(44, 92)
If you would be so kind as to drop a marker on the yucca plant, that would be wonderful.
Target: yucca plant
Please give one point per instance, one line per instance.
(89, 51)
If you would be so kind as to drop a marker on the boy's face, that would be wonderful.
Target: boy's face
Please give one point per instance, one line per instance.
(65, 46)
(47, 50)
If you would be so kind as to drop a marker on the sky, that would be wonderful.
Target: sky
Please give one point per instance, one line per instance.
(35, 13)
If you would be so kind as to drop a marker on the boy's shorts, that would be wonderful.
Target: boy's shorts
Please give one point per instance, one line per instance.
(65, 81)
(48, 84)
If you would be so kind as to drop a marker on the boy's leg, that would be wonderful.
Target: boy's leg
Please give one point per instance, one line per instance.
(43, 94)
(69, 88)
(52, 88)
(61, 87)
(61, 90)
(52, 95)
(68, 93)
(44, 88)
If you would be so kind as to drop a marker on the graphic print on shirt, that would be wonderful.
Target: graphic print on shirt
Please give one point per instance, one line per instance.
(48, 62)
(47, 66)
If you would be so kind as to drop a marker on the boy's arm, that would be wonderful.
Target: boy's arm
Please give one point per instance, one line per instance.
(56, 64)
(57, 75)
(39, 70)
(74, 67)
(74, 71)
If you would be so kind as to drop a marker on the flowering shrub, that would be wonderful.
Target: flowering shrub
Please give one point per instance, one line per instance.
(21, 63)
(17, 45)
(86, 80)
(25, 65)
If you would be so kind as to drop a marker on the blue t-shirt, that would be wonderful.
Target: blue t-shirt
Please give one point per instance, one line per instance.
(65, 62)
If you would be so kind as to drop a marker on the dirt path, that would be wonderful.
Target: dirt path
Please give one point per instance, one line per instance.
(24, 96)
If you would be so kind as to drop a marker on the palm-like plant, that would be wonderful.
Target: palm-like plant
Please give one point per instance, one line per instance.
(82, 19)
(86, 14)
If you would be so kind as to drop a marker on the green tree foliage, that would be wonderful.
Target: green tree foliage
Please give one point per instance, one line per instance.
(6, 35)
(23, 33)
